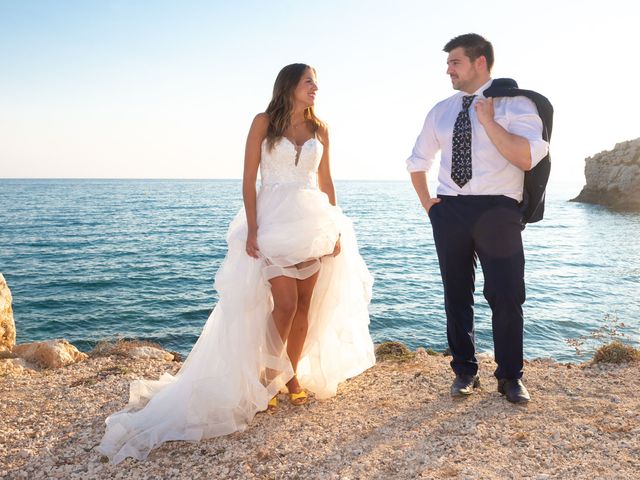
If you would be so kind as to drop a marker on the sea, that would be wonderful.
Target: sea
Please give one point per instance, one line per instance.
(93, 260)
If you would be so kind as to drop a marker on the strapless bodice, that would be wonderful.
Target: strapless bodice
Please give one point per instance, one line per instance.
(278, 166)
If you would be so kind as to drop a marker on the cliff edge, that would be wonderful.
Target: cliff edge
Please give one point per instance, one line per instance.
(613, 177)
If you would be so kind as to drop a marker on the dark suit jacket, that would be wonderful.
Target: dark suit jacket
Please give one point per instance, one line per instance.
(535, 180)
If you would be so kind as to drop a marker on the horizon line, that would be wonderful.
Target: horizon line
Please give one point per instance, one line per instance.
(188, 179)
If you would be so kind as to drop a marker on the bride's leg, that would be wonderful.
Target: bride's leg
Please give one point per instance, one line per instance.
(285, 299)
(299, 326)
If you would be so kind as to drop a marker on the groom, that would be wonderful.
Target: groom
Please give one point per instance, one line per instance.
(485, 146)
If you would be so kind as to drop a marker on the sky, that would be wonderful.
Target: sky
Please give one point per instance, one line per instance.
(168, 89)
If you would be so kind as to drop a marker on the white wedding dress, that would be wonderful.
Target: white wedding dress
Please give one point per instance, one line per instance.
(239, 361)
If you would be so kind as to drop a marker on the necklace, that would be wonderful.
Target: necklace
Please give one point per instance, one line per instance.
(296, 125)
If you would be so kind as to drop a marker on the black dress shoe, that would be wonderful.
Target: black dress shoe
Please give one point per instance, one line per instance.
(463, 385)
(514, 390)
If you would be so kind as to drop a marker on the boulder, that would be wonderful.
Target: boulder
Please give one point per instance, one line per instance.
(14, 366)
(150, 353)
(49, 354)
(7, 325)
(133, 349)
(613, 177)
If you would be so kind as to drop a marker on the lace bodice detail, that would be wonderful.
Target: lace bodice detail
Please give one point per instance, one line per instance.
(278, 166)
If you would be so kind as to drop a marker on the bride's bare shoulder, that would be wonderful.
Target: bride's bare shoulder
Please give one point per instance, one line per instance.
(323, 133)
(261, 120)
(259, 126)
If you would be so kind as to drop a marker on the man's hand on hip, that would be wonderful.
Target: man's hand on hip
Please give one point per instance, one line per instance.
(430, 203)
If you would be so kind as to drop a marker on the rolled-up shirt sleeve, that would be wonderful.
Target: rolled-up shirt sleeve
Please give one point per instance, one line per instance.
(524, 121)
(426, 147)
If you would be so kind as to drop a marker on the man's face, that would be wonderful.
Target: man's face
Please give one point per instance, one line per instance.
(463, 72)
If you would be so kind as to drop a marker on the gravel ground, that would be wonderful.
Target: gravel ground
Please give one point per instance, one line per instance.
(396, 420)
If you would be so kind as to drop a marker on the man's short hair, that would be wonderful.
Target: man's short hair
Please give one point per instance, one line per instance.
(474, 46)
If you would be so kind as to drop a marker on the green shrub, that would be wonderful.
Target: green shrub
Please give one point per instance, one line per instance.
(610, 330)
(616, 352)
(394, 351)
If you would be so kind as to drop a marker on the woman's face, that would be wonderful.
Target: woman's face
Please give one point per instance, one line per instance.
(304, 94)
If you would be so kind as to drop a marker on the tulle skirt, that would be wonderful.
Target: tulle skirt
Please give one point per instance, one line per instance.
(239, 361)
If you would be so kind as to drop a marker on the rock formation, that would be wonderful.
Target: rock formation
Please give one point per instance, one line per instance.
(613, 177)
(7, 325)
(150, 353)
(141, 349)
(14, 366)
(49, 354)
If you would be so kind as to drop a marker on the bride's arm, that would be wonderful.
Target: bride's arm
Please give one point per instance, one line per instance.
(257, 132)
(325, 182)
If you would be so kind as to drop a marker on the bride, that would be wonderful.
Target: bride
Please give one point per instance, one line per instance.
(293, 294)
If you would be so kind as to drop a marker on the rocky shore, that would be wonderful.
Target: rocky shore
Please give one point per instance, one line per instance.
(395, 421)
(613, 177)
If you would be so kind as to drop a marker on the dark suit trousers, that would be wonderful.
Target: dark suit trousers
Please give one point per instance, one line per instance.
(488, 228)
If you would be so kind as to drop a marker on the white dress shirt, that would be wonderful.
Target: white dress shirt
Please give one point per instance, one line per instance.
(492, 174)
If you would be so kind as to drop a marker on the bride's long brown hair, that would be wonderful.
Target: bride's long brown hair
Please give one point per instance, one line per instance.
(280, 108)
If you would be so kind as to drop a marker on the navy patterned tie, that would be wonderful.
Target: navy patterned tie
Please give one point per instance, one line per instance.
(461, 151)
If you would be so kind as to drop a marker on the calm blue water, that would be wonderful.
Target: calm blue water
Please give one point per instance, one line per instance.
(89, 260)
